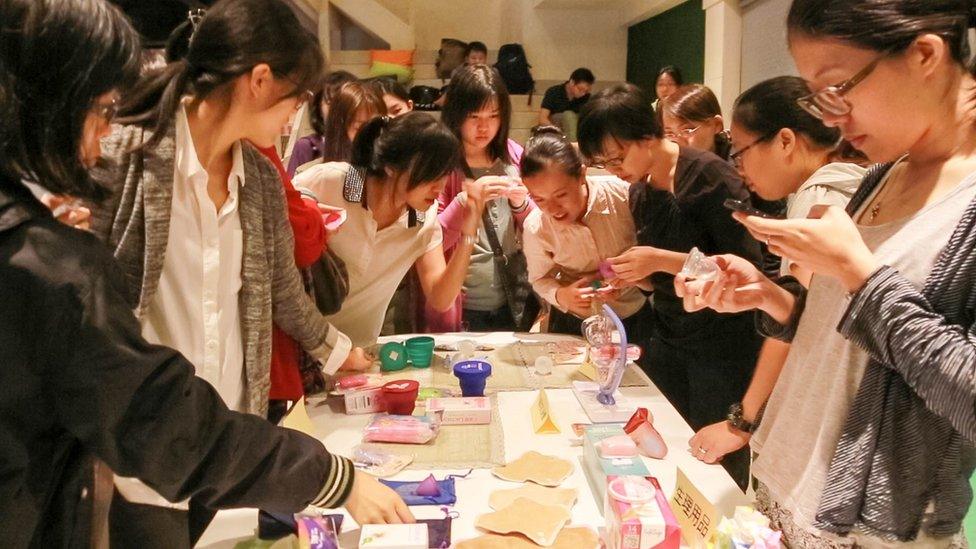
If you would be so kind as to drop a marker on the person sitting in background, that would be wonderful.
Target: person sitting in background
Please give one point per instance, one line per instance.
(668, 80)
(692, 117)
(566, 99)
(80, 382)
(783, 152)
(578, 224)
(312, 147)
(393, 94)
(399, 167)
(477, 54)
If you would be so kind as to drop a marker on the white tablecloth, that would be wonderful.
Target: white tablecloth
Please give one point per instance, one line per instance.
(341, 433)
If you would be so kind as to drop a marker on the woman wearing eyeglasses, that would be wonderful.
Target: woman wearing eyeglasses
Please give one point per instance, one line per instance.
(784, 152)
(868, 437)
(701, 362)
(198, 218)
(692, 117)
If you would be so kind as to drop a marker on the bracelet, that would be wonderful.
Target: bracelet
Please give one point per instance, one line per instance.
(521, 208)
(308, 194)
(471, 239)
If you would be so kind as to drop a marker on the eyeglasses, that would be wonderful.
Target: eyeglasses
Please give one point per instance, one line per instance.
(601, 164)
(684, 133)
(830, 100)
(107, 110)
(736, 156)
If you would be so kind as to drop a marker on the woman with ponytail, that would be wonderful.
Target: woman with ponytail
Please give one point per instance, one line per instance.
(198, 217)
(868, 437)
(578, 224)
(389, 191)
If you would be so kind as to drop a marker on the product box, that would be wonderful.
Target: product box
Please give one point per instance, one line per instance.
(461, 411)
(393, 536)
(597, 468)
(366, 401)
(638, 515)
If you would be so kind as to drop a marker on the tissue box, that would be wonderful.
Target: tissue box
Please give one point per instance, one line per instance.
(366, 401)
(649, 525)
(394, 536)
(597, 469)
(461, 411)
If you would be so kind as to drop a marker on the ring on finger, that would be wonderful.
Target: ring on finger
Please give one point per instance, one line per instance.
(702, 450)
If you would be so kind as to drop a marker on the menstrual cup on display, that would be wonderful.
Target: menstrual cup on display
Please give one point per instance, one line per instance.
(429, 488)
(640, 429)
(420, 351)
(473, 375)
(400, 396)
(393, 357)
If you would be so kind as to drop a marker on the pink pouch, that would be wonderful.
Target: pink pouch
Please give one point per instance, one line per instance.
(620, 446)
(401, 429)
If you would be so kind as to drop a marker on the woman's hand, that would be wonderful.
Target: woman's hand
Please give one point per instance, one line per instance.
(712, 442)
(357, 361)
(371, 502)
(827, 243)
(739, 286)
(486, 189)
(67, 210)
(636, 264)
(517, 195)
(577, 298)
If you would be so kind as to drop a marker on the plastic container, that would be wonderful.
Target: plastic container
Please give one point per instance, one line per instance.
(400, 397)
(393, 357)
(473, 375)
(420, 351)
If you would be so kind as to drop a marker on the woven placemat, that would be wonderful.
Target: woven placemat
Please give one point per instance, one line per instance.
(513, 369)
(456, 446)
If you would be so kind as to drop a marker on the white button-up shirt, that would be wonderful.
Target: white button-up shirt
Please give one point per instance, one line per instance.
(196, 309)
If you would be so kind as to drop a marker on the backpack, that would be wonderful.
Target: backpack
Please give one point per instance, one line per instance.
(449, 57)
(423, 98)
(514, 69)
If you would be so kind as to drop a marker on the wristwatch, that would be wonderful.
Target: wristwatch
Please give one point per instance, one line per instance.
(738, 422)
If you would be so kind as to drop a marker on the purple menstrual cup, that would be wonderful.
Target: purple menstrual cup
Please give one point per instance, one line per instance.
(472, 374)
(428, 487)
(606, 270)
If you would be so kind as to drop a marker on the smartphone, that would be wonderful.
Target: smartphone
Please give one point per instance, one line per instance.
(740, 206)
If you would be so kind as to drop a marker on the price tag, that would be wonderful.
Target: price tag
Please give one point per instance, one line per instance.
(542, 420)
(696, 515)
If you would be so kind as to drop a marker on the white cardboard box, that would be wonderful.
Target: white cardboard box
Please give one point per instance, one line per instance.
(461, 410)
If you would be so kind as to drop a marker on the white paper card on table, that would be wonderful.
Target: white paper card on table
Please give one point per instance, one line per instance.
(542, 421)
(620, 412)
(697, 516)
(297, 419)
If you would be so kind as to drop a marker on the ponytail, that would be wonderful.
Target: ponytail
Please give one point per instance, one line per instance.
(213, 49)
(365, 144)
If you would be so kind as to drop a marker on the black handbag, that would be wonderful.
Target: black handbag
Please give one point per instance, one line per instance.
(522, 301)
(328, 282)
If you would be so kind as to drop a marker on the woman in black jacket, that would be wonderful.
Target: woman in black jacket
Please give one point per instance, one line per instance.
(77, 380)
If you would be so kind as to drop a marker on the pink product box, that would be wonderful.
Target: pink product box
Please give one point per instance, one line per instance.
(461, 410)
(638, 515)
(367, 401)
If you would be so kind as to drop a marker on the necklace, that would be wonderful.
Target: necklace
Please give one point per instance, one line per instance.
(879, 201)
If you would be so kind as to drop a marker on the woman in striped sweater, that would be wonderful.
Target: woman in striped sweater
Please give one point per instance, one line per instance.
(868, 436)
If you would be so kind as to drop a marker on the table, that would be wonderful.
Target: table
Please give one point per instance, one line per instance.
(341, 433)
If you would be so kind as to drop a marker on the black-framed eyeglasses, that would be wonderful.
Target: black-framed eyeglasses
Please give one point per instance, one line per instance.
(736, 156)
(830, 100)
(107, 110)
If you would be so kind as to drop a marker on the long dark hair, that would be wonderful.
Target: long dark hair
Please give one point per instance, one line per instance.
(549, 147)
(622, 112)
(414, 142)
(349, 100)
(327, 89)
(697, 103)
(885, 25)
(232, 38)
(56, 58)
(472, 89)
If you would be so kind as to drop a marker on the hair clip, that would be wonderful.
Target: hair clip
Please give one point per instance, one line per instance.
(195, 16)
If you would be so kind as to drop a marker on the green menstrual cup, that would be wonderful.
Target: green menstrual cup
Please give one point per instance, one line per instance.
(393, 357)
(420, 351)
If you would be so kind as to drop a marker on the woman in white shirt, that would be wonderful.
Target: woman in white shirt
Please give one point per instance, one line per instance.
(580, 222)
(389, 191)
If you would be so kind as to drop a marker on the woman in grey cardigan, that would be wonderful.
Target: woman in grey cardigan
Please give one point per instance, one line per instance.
(868, 437)
(198, 218)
